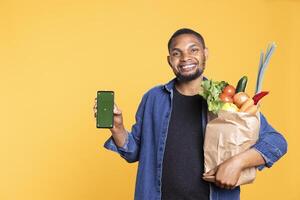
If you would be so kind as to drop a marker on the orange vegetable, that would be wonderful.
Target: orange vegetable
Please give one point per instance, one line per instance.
(246, 105)
(240, 98)
(251, 109)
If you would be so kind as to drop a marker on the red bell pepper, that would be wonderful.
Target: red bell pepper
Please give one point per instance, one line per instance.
(259, 96)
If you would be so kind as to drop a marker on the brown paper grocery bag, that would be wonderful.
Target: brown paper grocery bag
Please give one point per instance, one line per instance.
(228, 134)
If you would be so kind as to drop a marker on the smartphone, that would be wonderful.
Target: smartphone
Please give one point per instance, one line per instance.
(105, 107)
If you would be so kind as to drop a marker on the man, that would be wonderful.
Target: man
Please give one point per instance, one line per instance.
(167, 138)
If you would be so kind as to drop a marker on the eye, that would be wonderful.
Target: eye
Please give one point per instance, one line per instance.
(175, 53)
(195, 50)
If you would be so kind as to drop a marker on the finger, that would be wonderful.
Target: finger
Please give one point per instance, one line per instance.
(219, 185)
(209, 178)
(95, 105)
(95, 109)
(115, 106)
(117, 111)
(227, 187)
(211, 172)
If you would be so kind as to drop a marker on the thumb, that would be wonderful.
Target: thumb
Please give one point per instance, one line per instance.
(211, 179)
(211, 172)
(117, 111)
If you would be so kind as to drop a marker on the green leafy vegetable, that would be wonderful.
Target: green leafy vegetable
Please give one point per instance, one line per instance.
(211, 92)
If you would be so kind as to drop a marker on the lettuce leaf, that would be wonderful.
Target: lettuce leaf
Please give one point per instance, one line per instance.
(211, 92)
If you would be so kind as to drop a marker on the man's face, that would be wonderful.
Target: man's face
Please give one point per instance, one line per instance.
(187, 57)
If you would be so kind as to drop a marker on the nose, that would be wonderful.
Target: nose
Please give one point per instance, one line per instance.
(185, 56)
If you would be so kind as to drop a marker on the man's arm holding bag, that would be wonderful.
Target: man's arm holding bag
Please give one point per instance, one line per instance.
(271, 144)
(269, 148)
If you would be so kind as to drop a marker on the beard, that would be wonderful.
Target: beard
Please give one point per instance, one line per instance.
(186, 78)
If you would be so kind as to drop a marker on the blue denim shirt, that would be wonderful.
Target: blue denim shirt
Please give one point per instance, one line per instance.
(146, 144)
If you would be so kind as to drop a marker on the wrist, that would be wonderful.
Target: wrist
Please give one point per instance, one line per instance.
(118, 130)
(238, 159)
(119, 136)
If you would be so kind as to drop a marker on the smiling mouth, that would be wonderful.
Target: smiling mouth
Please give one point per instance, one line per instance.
(188, 67)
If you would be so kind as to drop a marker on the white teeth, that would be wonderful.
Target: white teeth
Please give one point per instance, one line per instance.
(188, 66)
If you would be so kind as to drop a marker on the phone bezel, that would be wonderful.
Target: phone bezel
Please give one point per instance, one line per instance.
(105, 91)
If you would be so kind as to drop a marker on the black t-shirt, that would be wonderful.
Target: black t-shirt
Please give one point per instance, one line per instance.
(183, 163)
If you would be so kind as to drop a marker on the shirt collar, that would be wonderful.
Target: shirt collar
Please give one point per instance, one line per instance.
(170, 85)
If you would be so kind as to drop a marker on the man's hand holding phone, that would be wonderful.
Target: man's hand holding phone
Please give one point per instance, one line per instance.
(118, 130)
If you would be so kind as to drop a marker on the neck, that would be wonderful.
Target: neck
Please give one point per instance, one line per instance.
(189, 88)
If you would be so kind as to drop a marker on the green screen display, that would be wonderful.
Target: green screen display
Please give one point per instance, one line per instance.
(105, 106)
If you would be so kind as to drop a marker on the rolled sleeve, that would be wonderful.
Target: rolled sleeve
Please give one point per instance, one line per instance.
(111, 145)
(130, 150)
(271, 144)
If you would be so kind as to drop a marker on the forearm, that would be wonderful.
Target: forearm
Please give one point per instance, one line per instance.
(271, 144)
(119, 135)
(250, 158)
(227, 174)
(125, 143)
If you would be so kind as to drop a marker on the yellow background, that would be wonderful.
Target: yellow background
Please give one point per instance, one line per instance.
(55, 55)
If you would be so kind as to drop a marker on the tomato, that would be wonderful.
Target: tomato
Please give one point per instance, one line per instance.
(225, 98)
(229, 90)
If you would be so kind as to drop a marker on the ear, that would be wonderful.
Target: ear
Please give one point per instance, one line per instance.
(169, 61)
(206, 53)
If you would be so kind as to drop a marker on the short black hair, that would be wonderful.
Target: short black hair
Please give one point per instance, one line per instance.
(186, 31)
